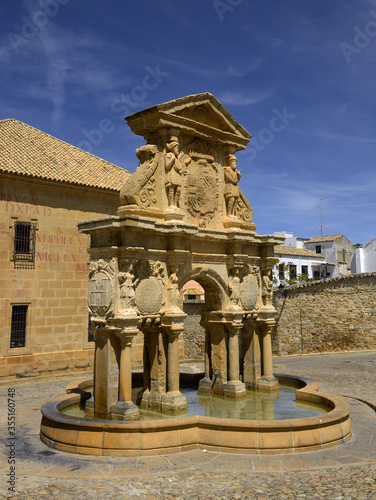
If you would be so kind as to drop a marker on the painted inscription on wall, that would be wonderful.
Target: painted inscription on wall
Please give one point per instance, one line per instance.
(27, 205)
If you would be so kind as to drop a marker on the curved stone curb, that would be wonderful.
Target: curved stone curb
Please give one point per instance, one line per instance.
(151, 437)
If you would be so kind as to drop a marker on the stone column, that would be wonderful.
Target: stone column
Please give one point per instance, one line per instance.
(106, 373)
(205, 386)
(174, 401)
(150, 328)
(125, 409)
(234, 387)
(252, 354)
(173, 362)
(216, 354)
(157, 369)
(267, 382)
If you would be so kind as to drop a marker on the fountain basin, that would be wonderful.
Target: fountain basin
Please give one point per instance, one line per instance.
(174, 435)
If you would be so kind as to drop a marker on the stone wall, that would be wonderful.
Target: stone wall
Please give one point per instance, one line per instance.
(54, 285)
(335, 315)
(194, 333)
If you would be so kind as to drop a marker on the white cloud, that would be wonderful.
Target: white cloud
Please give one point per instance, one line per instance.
(238, 99)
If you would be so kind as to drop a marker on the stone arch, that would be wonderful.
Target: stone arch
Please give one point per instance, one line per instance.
(216, 295)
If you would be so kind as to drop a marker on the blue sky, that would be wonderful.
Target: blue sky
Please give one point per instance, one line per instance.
(299, 75)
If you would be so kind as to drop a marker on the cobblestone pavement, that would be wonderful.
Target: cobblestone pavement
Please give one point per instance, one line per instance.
(342, 472)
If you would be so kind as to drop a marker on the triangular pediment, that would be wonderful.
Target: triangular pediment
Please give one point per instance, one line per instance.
(198, 109)
(207, 110)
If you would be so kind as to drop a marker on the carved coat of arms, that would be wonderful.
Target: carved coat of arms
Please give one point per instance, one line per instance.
(100, 293)
(202, 186)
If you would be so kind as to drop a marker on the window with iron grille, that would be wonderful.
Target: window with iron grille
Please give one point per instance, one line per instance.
(24, 240)
(18, 326)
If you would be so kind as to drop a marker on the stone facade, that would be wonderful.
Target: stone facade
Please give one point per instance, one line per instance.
(181, 217)
(48, 186)
(333, 315)
(54, 285)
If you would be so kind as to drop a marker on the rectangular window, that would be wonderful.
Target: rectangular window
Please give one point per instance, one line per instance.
(18, 326)
(24, 240)
(318, 248)
(305, 270)
(281, 271)
(292, 271)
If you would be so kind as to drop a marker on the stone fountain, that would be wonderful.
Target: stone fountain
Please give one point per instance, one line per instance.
(181, 216)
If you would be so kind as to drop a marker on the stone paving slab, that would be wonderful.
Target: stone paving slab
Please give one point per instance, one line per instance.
(346, 471)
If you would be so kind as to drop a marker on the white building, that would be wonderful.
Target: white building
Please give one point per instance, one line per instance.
(291, 240)
(294, 262)
(338, 252)
(364, 260)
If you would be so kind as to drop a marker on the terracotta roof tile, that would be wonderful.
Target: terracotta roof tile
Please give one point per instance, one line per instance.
(303, 252)
(25, 150)
(316, 239)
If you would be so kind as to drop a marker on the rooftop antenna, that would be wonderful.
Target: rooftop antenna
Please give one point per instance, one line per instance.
(320, 207)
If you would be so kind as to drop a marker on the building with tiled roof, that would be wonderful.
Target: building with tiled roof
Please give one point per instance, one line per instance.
(29, 152)
(301, 252)
(318, 239)
(296, 261)
(317, 257)
(337, 250)
(46, 187)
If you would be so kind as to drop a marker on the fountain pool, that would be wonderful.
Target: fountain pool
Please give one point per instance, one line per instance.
(272, 424)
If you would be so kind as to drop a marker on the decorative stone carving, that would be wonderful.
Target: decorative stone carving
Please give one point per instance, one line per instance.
(249, 289)
(100, 293)
(172, 288)
(149, 295)
(139, 188)
(202, 187)
(267, 287)
(232, 191)
(243, 209)
(127, 292)
(157, 270)
(234, 287)
(173, 169)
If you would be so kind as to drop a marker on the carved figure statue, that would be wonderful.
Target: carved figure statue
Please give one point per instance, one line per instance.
(234, 287)
(173, 289)
(127, 293)
(232, 191)
(173, 168)
(267, 288)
